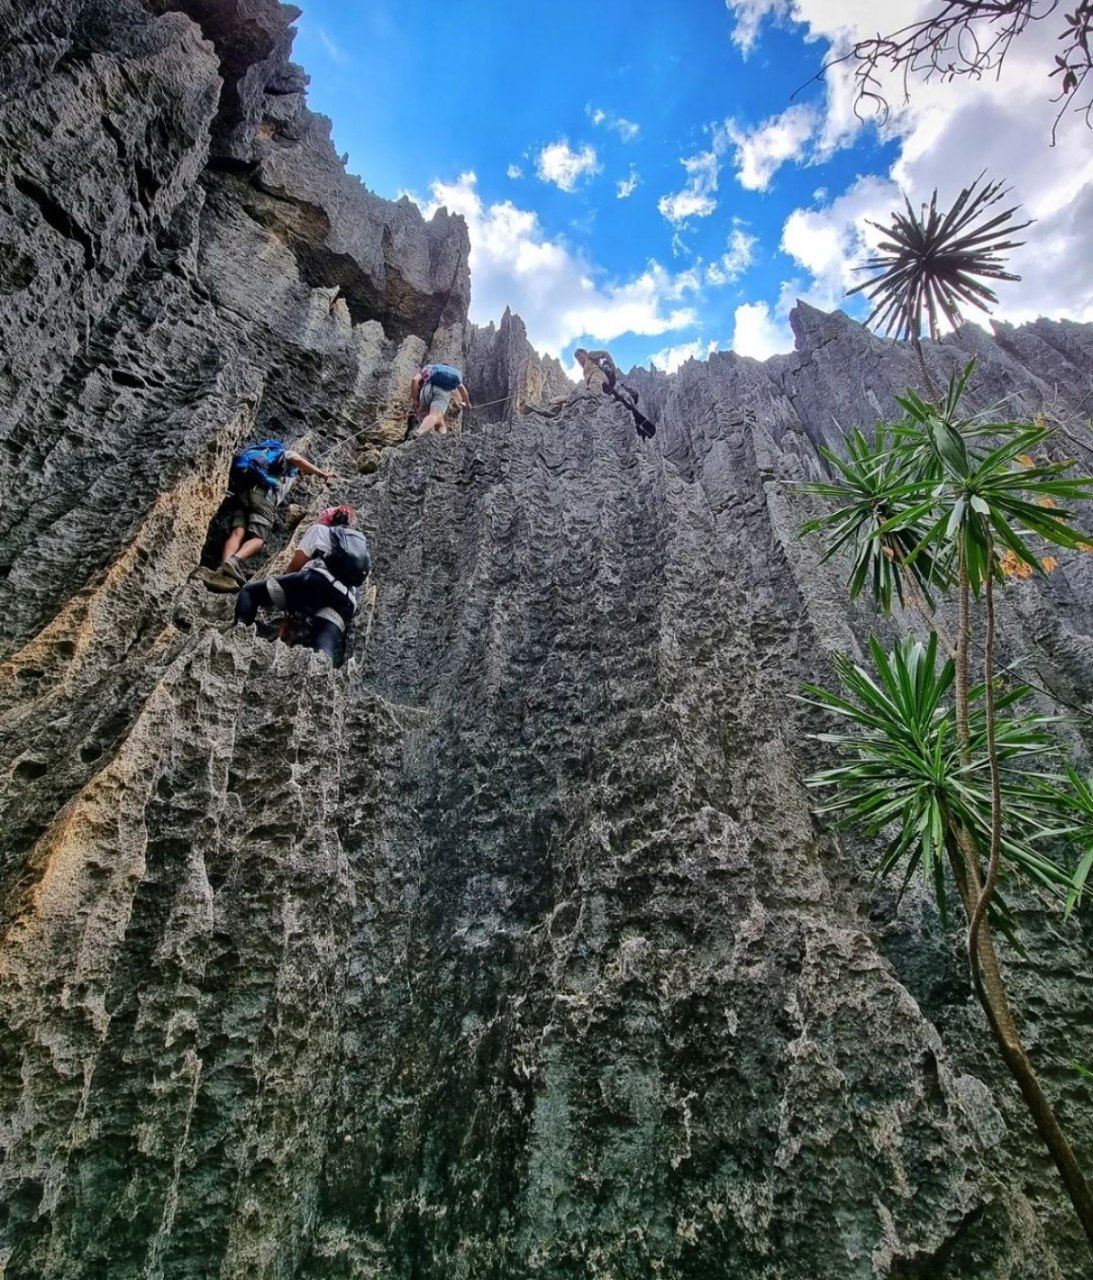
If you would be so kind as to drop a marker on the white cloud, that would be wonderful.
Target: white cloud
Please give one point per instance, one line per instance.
(626, 187)
(560, 164)
(945, 132)
(669, 359)
(757, 333)
(336, 52)
(627, 130)
(696, 199)
(830, 241)
(738, 256)
(761, 151)
(514, 171)
(749, 15)
(559, 295)
(758, 154)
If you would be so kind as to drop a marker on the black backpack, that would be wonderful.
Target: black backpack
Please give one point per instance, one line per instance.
(348, 559)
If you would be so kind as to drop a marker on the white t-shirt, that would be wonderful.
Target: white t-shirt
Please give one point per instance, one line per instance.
(317, 542)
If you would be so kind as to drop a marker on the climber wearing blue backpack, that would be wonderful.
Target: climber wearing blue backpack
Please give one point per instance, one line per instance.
(255, 483)
(432, 390)
(328, 566)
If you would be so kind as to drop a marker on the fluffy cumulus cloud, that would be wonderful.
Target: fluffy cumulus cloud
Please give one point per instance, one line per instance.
(758, 153)
(738, 256)
(627, 130)
(514, 263)
(696, 199)
(946, 132)
(829, 241)
(761, 151)
(759, 333)
(560, 164)
(626, 187)
(668, 359)
(514, 171)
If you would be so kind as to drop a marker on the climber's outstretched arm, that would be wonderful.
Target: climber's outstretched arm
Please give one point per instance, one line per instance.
(302, 464)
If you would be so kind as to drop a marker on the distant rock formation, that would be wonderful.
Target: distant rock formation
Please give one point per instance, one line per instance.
(512, 949)
(507, 373)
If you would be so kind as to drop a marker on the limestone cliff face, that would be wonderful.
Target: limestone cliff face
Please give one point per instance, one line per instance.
(512, 949)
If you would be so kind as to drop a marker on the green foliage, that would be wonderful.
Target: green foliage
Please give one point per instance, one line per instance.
(936, 487)
(972, 497)
(1075, 806)
(919, 501)
(903, 771)
(872, 500)
(930, 263)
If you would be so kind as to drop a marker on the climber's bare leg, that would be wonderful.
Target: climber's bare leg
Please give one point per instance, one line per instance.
(433, 421)
(251, 547)
(234, 542)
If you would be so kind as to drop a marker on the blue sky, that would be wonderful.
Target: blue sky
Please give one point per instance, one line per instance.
(656, 187)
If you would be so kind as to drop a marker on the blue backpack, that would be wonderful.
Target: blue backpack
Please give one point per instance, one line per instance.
(442, 376)
(258, 464)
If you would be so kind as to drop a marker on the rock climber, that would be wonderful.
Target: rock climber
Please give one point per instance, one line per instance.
(255, 484)
(432, 390)
(601, 377)
(599, 370)
(329, 564)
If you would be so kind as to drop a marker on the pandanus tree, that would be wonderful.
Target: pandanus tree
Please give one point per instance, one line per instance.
(931, 263)
(941, 504)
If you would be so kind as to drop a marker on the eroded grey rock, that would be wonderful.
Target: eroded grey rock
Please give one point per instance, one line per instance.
(512, 949)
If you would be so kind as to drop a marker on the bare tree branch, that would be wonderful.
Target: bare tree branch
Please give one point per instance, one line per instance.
(970, 39)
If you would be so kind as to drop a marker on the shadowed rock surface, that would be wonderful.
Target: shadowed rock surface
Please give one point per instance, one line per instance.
(511, 949)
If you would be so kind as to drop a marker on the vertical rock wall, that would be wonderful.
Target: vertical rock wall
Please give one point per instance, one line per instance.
(512, 948)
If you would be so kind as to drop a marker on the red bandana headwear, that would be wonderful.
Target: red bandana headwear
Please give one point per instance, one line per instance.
(338, 515)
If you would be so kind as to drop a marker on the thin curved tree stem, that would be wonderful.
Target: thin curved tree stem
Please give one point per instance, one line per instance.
(991, 992)
(995, 855)
(927, 381)
(963, 633)
(983, 959)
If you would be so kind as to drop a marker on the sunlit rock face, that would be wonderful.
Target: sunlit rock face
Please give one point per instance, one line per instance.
(511, 949)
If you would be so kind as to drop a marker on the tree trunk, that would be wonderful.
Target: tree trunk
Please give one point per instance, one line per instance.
(927, 381)
(982, 957)
(963, 634)
(964, 859)
(995, 856)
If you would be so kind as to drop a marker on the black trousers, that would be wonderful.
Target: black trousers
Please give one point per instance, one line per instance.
(305, 592)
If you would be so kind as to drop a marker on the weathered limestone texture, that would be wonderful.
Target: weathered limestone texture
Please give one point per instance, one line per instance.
(511, 949)
(506, 372)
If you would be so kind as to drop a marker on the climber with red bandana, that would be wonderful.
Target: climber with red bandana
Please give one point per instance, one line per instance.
(329, 564)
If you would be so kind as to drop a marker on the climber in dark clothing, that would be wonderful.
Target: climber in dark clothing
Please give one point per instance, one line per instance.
(601, 376)
(335, 562)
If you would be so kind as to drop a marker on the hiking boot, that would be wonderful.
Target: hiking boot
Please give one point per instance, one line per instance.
(218, 579)
(234, 567)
